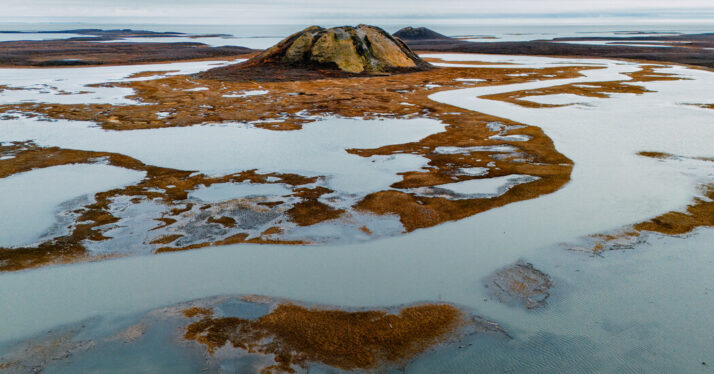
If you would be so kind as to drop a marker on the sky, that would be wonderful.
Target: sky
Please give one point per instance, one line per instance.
(337, 11)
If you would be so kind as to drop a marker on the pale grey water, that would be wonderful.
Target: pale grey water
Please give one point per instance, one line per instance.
(507, 32)
(641, 310)
(635, 311)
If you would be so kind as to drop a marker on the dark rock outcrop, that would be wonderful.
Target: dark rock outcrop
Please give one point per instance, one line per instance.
(324, 53)
(419, 33)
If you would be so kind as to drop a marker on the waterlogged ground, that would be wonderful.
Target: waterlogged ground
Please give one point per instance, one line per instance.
(232, 162)
(505, 213)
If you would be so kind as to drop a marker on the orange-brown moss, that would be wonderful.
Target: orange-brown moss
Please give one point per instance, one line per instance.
(28, 157)
(365, 230)
(348, 97)
(439, 60)
(165, 220)
(225, 221)
(310, 211)
(664, 156)
(647, 73)
(419, 212)
(273, 231)
(658, 155)
(699, 213)
(705, 106)
(196, 246)
(296, 335)
(197, 311)
(7, 365)
(143, 74)
(233, 239)
(270, 204)
(166, 239)
(360, 97)
(590, 89)
(175, 185)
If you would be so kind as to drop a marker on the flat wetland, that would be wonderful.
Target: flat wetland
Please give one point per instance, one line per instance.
(496, 213)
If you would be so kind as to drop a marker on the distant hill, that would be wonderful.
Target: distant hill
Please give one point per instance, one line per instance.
(419, 33)
(323, 53)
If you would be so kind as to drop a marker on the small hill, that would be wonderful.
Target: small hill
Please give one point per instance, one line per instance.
(419, 33)
(326, 53)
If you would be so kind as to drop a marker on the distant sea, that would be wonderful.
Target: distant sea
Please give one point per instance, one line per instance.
(502, 32)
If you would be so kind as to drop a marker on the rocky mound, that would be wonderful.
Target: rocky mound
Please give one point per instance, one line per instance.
(523, 283)
(323, 53)
(419, 33)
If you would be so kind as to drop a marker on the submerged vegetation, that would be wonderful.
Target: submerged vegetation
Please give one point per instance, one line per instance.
(452, 164)
(296, 335)
(472, 140)
(275, 335)
(494, 146)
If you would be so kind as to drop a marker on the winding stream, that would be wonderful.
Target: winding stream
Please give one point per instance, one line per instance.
(639, 310)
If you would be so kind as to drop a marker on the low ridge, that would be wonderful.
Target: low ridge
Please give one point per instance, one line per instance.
(419, 33)
(326, 53)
